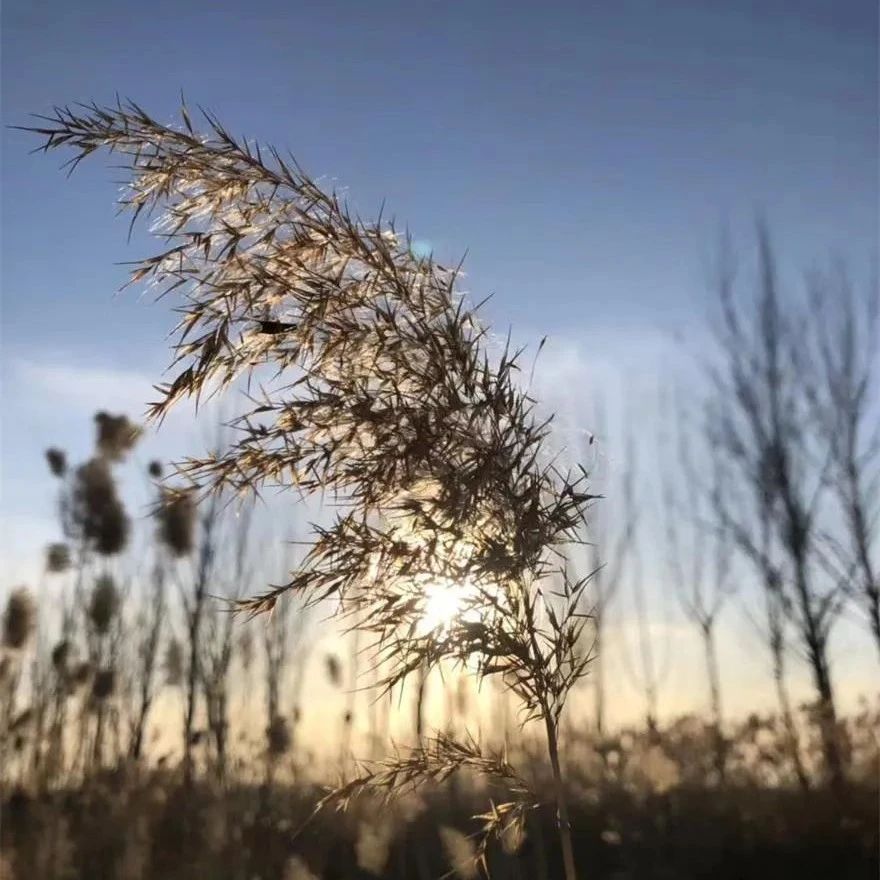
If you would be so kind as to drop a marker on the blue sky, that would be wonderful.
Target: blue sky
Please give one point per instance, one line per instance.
(584, 154)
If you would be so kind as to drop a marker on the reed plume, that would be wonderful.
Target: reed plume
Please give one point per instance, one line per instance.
(394, 402)
(57, 461)
(19, 619)
(57, 558)
(176, 515)
(104, 604)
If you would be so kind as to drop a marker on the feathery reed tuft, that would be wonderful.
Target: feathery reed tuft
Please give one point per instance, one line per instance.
(116, 435)
(61, 657)
(81, 674)
(176, 514)
(95, 511)
(460, 852)
(173, 663)
(57, 558)
(104, 604)
(334, 670)
(278, 736)
(19, 619)
(57, 461)
(397, 405)
(103, 684)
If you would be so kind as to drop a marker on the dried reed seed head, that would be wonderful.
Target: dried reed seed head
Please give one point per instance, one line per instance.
(154, 469)
(400, 390)
(177, 521)
(278, 736)
(104, 684)
(57, 461)
(81, 673)
(19, 619)
(460, 852)
(57, 558)
(173, 663)
(61, 656)
(116, 435)
(373, 846)
(513, 836)
(334, 670)
(296, 869)
(96, 511)
(104, 604)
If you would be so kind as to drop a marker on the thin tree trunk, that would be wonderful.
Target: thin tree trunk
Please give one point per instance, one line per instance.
(192, 690)
(817, 652)
(827, 716)
(137, 740)
(714, 679)
(599, 680)
(861, 534)
(787, 717)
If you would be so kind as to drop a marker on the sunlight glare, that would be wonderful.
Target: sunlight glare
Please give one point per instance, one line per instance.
(444, 602)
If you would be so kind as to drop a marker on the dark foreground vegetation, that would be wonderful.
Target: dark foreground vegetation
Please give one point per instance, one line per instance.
(644, 806)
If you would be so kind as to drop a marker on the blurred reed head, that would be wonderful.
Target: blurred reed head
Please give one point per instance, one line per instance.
(176, 514)
(57, 558)
(95, 510)
(116, 435)
(80, 674)
(19, 619)
(374, 845)
(103, 684)
(334, 670)
(61, 657)
(296, 869)
(461, 853)
(173, 663)
(513, 835)
(278, 736)
(104, 604)
(57, 461)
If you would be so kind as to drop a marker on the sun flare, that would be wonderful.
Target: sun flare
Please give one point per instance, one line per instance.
(444, 602)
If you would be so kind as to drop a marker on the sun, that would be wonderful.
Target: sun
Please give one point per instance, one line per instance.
(444, 602)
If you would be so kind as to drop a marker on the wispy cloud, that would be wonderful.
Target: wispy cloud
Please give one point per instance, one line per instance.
(84, 388)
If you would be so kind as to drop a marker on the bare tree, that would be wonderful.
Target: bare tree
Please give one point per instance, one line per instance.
(648, 665)
(844, 328)
(182, 526)
(609, 554)
(286, 647)
(149, 629)
(698, 551)
(217, 645)
(760, 548)
(764, 430)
